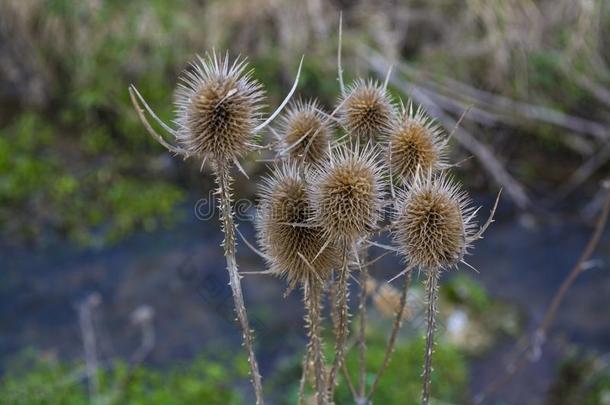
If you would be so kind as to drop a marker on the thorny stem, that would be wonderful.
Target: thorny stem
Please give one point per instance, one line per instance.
(400, 313)
(301, 397)
(223, 179)
(341, 324)
(362, 319)
(431, 298)
(312, 297)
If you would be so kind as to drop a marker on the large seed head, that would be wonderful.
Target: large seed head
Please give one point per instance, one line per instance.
(366, 111)
(347, 193)
(433, 223)
(294, 252)
(413, 144)
(218, 106)
(305, 132)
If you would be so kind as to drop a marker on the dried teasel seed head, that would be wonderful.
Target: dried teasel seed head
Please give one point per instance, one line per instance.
(305, 132)
(387, 302)
(433, 222)
(217, 106)
(367, 110)
(298, 253)
(414, 143)
(347, 193)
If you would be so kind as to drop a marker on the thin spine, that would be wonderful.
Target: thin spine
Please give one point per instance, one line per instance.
(223, 180)
(432, 300)
(341, 322)
(313, 297)
(394, 334)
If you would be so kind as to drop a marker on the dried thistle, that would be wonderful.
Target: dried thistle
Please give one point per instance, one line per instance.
(433, 231)
(367, 111)
(347, 193)
(294, 249)
(414, 143)
(218, 107)
(387, 300)
(433, 223)
(305, 132)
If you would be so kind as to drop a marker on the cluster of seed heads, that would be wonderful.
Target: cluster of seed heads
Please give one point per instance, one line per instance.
(326, 194)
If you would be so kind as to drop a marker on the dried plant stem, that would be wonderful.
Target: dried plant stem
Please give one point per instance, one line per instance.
(223, 180)
(301, 397)
(362, 259)
(431, 299)
(533, 347)
(394, 334)
(313, 298)
(341, 321)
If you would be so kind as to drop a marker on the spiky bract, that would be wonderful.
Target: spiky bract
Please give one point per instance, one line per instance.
(217, 106)
(347, 193)
(433, 222)
(414, 143)
(305, 132)
(366, 110)
(294, 248)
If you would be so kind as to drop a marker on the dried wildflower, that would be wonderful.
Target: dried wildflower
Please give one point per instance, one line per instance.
(414, 143)
(305, 132)
(367, 111)
(347, 193)
(294, 249)
(218, 107)
(387, 300)
(433, 223)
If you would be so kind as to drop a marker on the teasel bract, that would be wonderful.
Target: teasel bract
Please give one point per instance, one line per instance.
(305, 132)
(414, 143)
(347, 197)
(294, 249)
(433, 230)
(218, 106)
(366, 111)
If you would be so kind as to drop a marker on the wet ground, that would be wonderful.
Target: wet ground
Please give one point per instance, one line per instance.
(180, 274)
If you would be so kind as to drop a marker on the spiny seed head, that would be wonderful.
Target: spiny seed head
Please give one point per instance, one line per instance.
(284, 203)
(305, 132)
(347, 193)
(217, 106)
(366, 110)
(433, 223)
(414, 143)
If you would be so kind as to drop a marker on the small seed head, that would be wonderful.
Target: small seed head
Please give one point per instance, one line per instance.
(306, 132)
(347, 193)
(433, 223)
(414, 143)
(284, 204)
(367, 111)
(217, 106)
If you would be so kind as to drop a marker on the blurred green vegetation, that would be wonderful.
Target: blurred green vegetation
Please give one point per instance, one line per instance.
(42, 381)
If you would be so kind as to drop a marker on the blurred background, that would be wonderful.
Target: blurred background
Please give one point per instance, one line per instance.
(112, 286)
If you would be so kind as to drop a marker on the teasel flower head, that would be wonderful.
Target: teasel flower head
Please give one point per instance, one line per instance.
(305, 132)
(414, 143)
(366, 111)
(293, 248)
(434, 223)
(347, 193)
(218, 107)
